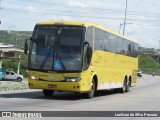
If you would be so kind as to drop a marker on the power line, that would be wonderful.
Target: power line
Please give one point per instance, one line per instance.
(146, 25)
(59, 13)
(88, 16)
(97, 10)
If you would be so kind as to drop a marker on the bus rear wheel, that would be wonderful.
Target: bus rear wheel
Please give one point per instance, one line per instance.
(48, 93)
(91, 93)
(125, 87)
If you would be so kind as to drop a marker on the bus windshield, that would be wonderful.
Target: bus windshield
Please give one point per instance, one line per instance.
(57, 48)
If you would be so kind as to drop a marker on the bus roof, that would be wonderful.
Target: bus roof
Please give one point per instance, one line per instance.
(81, 23)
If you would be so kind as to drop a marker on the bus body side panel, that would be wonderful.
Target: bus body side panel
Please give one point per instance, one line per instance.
(126, 66)
(98, 61)
(108, 71)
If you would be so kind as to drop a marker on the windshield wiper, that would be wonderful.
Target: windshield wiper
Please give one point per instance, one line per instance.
(44, 60)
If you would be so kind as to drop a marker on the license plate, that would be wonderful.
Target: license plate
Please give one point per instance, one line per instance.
(52, 86)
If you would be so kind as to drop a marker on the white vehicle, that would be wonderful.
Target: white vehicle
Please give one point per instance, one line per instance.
(10, 75)
(139, 73)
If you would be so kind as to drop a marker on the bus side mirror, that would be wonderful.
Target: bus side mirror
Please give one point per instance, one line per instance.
(26, 47)
(86, 44)
(89, 52)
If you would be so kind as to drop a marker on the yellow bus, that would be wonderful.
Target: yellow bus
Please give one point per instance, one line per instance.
(80, 57)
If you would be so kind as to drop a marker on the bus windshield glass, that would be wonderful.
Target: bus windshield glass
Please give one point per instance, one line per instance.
(57, 48)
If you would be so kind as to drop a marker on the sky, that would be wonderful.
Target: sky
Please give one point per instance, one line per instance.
(142, 18)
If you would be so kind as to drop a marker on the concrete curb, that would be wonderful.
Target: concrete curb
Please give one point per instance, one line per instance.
(8, 89)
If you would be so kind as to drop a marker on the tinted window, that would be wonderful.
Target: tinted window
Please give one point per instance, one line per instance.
(89, 36)
(98, 45)
(113, 45)
(106, 43)
(135, 50)
(129, 48)
(119, 45)
(125, 47)
(7, 73)
(12, 73)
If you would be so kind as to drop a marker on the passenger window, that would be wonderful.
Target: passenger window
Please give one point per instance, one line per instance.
(89, 39)
(12, 73)
(119, 45)
(113, 45)
(106, 43)
(125, 48)
(98, 45)
(135, 50)
(89, 36)
(7, 73)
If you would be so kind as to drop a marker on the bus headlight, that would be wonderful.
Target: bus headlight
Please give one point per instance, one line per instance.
(73, 79)
(33, 77)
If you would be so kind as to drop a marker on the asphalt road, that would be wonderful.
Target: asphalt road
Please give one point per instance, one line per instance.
(144, 97)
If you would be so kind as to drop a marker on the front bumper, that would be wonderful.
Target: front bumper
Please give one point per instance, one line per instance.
(59, 86)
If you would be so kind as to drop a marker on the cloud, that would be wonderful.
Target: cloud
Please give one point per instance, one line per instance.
(42, 10)
(77, 3)
(32, 9)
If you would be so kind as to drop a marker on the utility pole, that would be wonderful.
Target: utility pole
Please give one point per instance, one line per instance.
(125, 17)
(121, 25)
(120, 28)
(158, 54)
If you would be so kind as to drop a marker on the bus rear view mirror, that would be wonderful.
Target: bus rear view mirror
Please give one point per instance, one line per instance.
(86, 44)
(89, 52)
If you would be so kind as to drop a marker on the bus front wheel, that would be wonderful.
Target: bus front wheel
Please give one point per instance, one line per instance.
(91, 93)
(48, 93)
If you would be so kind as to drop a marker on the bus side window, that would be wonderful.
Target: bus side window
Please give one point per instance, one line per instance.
(135, 52)
(89, 39)
(89, 36)
(125, 49)
(98, 43)
(106, 43)
(129, 53)
(119, 45)
(113, 43)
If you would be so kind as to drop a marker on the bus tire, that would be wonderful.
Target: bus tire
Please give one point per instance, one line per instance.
(48, 93)
(124, 88)
(91, 93)
(127, 86)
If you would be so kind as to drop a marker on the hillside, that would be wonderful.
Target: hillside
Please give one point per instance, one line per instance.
(147, 64)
